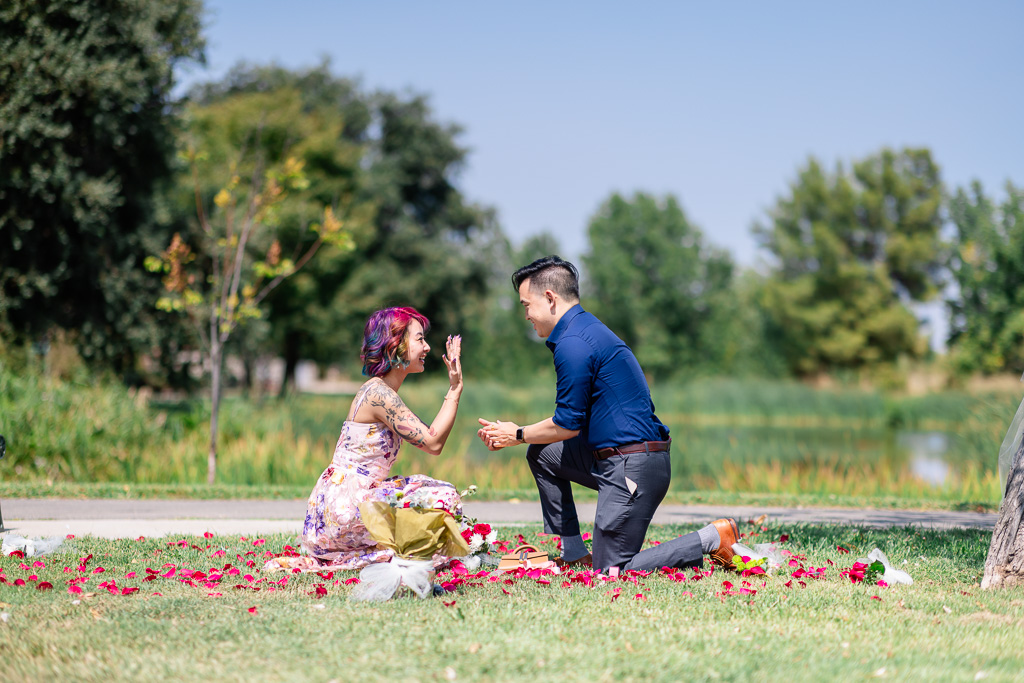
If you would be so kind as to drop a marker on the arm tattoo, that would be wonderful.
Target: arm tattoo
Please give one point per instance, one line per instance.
(397, 415)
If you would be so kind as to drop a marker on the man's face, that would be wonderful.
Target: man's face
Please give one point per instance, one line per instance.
(538, 308)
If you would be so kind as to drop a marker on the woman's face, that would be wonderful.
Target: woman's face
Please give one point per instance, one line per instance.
(418, 347)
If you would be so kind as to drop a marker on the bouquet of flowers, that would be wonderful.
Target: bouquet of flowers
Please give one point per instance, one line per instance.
(480, 538)
(416, 535)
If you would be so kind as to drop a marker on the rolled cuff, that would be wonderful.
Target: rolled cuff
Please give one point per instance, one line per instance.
(566, 418)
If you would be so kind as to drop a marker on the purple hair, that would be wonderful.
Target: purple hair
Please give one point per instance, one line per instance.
(385, 339)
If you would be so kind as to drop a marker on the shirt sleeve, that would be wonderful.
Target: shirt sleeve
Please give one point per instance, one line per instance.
(574, 368)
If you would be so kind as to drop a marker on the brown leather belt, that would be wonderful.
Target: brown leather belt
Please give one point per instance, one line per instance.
(642, 447)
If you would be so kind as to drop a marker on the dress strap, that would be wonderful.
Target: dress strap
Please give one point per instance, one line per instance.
(362, 397)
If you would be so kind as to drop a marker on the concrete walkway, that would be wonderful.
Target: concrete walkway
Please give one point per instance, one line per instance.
(154, 518)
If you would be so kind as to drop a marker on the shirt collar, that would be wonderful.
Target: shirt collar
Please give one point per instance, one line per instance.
(562, 325)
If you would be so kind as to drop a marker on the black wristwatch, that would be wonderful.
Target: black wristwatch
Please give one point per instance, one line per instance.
(519, 436)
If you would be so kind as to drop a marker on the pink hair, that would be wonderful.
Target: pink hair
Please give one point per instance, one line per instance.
(385, 339)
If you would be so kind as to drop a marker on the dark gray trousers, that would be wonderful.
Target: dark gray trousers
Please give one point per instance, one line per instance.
(623, 511)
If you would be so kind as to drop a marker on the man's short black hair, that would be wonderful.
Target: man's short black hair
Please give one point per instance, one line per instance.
(550, 272)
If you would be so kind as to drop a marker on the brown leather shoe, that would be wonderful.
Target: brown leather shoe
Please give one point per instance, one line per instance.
(727, 535)
(587, 561)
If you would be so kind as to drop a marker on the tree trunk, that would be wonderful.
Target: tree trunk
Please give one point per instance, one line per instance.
(291, 362)
(216, 359)
(1004, 567)
(249, 370)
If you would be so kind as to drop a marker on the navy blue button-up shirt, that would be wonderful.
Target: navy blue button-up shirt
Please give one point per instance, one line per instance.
(602, 391)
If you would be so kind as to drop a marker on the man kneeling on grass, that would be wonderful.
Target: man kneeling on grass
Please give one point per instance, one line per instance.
(604, 435)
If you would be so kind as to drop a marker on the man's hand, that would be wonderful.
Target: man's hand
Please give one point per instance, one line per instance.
(497, 435)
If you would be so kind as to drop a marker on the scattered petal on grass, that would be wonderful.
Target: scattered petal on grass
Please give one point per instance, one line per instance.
(354, 579)
(875, 597)
(77, 590)
(448, 604)
(44, 586)
(252, 610)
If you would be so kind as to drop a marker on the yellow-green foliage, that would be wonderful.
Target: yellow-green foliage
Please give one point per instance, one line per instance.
(728, 435)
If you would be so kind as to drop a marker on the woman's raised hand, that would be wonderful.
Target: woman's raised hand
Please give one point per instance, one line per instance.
(453, 361)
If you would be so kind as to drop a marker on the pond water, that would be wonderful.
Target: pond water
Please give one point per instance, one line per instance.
(927, 452)
(933, 457)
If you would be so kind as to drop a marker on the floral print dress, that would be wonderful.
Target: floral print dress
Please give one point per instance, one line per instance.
(333, 532)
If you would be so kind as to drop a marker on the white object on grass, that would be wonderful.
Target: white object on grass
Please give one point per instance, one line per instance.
(379, 582)
(891, 575)
(769, 552)
(30, 546)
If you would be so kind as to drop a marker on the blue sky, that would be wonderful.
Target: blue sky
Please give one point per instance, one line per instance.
(717, 103)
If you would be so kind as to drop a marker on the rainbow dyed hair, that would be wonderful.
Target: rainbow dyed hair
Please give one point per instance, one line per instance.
(386, 339)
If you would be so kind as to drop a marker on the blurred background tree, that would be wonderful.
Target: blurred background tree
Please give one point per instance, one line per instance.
(87, 124)
(849, 251)
(987, 264)
(426, 246)
(654, 281)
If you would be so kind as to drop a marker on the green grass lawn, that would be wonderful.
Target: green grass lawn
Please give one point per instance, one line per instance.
(941, 628)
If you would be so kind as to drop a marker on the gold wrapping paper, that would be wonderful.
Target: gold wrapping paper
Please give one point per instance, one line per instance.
(413, 533)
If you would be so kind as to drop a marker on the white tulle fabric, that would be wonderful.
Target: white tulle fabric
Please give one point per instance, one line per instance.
(768, 552)
(379, 582)
(891, 575)
(32, 547)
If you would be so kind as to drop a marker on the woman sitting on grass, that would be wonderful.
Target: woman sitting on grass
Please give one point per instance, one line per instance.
(394, 347)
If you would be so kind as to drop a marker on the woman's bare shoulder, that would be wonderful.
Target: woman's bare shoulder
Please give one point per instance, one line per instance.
(375, 394)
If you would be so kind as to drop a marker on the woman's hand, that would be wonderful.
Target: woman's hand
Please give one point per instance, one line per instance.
(453, 361)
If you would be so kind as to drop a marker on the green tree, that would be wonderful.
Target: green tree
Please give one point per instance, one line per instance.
(426, 245)
(504, 346)
(848, 251)
(226, 287)
(86, 147)
(987, 263)
(652, 278)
